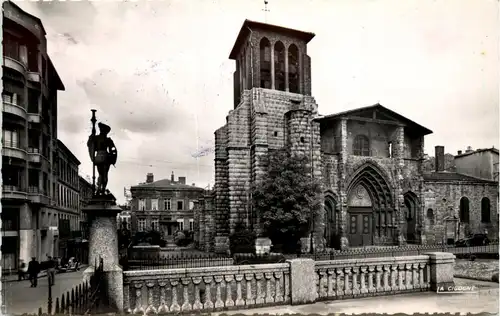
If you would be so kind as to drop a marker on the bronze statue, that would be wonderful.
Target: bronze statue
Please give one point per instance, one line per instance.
(103, 154)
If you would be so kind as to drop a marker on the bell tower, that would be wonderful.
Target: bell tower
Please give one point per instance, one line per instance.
(271, 57)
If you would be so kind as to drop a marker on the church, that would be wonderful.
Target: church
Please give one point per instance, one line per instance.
(370, 159)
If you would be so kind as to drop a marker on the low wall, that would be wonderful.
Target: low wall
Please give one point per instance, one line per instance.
(298, 281)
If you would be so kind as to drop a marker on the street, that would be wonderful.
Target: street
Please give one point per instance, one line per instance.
(21, 298)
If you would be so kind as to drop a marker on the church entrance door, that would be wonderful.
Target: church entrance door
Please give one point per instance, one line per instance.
(360, 231)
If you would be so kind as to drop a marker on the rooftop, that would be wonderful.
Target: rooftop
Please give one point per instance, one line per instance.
(166, 184)
(248, 25)
(453, 176)
(492, 149)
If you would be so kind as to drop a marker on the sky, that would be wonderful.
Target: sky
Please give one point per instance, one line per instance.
(158, 72)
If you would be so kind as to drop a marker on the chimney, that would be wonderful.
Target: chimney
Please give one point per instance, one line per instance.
(182, 180)
(150, 178)
(439, 158)
(469, 149)
(459, 152)
(172, 179)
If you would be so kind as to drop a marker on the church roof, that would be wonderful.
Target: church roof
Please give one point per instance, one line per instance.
(382, 109)
(166, 184)
(248, 25)
(453, 176)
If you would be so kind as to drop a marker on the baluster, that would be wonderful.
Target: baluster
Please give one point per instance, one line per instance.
(278, 292)
(355, 284)
(321, 283)
(408, 276)
(394, 277)
(338, 283)
(126, 298)
(73, 301)
(208, 304)
(63, 304)
(414, 275)
(249, 299)
(218, 296)
(421, 276)
(387, 272)
(401, 270)
(58, 309)
(197, 305)
(269, 292)
(362, 280)
(163, 301)
(378, 276)
(371, 288)
(175, 307)
(286, 285)
(259, 299)
(186, 306)
(330, 282)
(347, 288)
(68, 304)
(138, 299)
(150, 308)
(239, 298)
(229, 300)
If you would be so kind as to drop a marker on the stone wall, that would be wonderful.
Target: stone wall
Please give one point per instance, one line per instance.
(443, 198)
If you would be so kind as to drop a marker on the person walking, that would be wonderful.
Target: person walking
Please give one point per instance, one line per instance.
(20, 270)
(33, 270)
(51, 270)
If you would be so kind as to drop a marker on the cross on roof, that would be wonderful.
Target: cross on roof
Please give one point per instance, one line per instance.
(265, 9)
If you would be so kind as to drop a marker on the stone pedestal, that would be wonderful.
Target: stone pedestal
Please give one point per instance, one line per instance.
(103, 243)
(302, 288)
(442, 265)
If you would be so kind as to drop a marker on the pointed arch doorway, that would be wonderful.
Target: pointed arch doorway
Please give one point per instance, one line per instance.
(371, 219)
(332, 234)
(412, 205)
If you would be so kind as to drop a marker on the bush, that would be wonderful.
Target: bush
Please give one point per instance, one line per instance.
(242, 240)
(183, 238)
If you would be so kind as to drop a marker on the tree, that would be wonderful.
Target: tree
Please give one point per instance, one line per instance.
(288, 199)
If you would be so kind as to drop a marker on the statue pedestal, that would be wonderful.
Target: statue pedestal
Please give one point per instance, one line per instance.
(103, 243)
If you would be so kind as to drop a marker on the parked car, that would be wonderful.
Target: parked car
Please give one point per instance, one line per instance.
(72, 265)
(473, 240)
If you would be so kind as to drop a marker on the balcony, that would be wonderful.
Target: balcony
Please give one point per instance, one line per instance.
(13, 150)
(37, 195)
(14, 64)
(15, 109)
(33, 76)
(34, 155)
(13, 192)
(34, 118)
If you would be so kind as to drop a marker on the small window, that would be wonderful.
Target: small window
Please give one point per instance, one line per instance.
(180, 205)
(464, 210)
(301, 139)
(430, 216)
(154, 204)
(180, 222)
(142, 205)
(168, 204)
(361, 146)
(275, 134)
(485, 210)
(390, 149)
(191, 205)
(191, 224)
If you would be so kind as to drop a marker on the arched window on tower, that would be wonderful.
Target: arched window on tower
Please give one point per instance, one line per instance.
(485, 210)
(464, 210)
(430, 216)
(293, 68)
(279, 66)
(265, 63)
(361, 146)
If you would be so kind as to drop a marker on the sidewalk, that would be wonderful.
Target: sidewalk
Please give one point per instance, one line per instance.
(485, 300)
(15, 278)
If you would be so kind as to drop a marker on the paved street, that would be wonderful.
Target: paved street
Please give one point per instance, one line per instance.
(21, 298)
(486, 300)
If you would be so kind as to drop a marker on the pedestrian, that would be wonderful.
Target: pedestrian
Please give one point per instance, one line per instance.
(33, 270)
(20, 270)
(51, 270)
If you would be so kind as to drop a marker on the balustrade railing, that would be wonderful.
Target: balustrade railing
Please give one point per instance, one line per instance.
(372, 276)
(206, 289)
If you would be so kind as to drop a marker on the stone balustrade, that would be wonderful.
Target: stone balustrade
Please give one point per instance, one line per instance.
(339, 279)
(207, 289)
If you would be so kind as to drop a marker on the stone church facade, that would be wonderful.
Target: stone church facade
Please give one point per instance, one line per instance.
(368, 159)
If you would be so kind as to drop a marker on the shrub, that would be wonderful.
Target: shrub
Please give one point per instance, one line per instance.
(242, 240)
(184, 238)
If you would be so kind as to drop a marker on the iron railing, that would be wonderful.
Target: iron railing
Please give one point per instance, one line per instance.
(83, 299)
(178, 261)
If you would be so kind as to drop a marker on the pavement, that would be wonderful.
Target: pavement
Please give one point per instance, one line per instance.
(484, 300)
(20, 298)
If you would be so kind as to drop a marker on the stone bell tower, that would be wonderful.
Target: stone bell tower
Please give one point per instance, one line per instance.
(273, 108)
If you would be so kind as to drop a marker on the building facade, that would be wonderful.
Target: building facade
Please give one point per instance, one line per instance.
(68, 202)
(369, 159)
(479, 163)
(165, 205)
(29, 140)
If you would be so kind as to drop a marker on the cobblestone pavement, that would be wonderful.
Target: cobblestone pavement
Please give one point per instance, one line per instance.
(485, 300)
(480, 269)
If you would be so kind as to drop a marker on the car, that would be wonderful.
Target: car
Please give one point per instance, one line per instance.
(473, 240)
(72, 265)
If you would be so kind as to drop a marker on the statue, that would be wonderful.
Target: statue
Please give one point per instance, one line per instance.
(103, 154)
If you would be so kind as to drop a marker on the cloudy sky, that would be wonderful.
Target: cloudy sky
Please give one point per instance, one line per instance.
(158, 71)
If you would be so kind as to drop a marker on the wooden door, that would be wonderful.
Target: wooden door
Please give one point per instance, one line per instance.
(360, 228)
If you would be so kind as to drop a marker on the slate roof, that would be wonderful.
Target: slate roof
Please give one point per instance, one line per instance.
(166, 184)
(453, 176)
